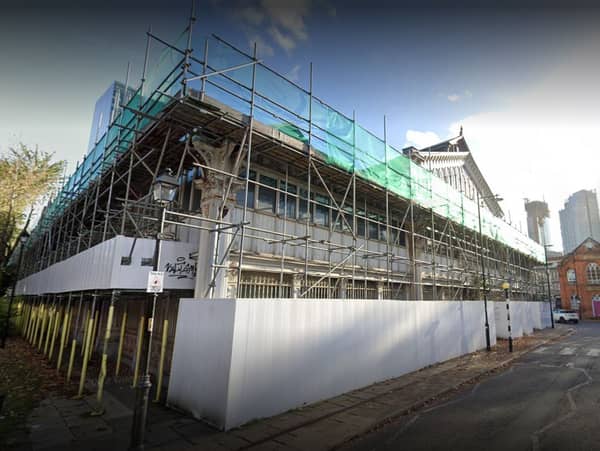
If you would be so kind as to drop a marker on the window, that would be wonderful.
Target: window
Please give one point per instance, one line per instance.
(397, 237)
(571, 277)
(267, 196)
(321, 214)
(382, 229)
(360, 225)
(303, 204)
(593, 273)
(287, 202)
(344, 220)
(240, 196)
(373, 230)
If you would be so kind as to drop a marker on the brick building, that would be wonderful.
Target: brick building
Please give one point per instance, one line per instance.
(579, 273)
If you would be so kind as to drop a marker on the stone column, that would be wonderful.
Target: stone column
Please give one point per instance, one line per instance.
(343, 288)
(212, 245)
(297, 280)
(380, 290)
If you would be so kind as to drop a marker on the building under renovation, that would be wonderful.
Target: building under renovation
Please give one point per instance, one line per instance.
(273, 194)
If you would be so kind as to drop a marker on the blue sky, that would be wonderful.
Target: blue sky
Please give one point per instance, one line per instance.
(519, 79)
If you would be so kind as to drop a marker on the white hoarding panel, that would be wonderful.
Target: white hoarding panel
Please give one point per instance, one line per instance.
(525, 317)
(286, 353)
(101, 267)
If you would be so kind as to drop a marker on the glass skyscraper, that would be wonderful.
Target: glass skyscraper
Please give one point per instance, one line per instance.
(108, 106)
(579, 219)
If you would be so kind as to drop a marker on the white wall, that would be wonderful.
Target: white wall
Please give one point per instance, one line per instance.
(524, 318)
(99, 267)
(286, 353)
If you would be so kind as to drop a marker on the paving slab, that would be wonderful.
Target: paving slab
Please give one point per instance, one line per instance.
(90, 431)
(161, 435)
(175, 445)
(256, 432)
(51, 439)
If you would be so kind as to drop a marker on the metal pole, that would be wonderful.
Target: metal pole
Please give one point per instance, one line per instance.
(83, 213)
(63, 335)
(144, 69)
(94, 214)
(510, 340)
(104, 359)
(204, 67)
(354, 219)
(434, 287)
(108, 201)
(388, 262)
(415, 287)
(129, 171)
(140, 414)
(188, 51)
(12, 297)
(548, 280)
(247, 181)
(487, 325)
(285, 206)
(308, 191)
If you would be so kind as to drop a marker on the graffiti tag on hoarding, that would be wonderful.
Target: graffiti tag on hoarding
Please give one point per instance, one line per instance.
(181, 268)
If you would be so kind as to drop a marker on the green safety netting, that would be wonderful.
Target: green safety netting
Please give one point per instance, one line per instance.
(163, 79)
(282, 104)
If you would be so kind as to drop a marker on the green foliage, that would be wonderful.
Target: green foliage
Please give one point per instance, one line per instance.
(27, 178)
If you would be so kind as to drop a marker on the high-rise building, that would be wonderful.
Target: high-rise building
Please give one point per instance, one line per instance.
(108, 106)
(579, 219)
(538, 216)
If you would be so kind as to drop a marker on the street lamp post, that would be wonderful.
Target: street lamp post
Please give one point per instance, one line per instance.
(23, 237)
(487, 324)
(548, 282)
(163, 192)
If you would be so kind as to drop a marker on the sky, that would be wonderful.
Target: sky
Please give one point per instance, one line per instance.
(521, 80)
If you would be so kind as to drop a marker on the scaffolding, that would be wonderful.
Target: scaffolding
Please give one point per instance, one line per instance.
(348, 215)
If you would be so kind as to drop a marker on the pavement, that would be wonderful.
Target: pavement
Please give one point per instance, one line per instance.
(68, 424)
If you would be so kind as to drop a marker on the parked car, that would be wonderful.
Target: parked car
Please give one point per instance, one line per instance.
(566, 316)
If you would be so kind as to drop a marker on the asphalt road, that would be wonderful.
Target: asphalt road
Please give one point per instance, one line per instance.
(548, 400)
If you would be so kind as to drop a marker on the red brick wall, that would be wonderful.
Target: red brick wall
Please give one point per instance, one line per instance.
(579, 260)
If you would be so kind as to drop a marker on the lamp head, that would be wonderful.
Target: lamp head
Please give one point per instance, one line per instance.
(165, 187)
(23, 237)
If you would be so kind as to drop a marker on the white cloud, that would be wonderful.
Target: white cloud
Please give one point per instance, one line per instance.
(290, 16)
(284, 22)
(262, 47)
(421, 139)
(284, 41)
(453, 97)
(293, 73)
(251, 16)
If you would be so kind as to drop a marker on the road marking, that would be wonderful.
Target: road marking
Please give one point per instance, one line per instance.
(540, 350)
(567, 351)
(593, 352)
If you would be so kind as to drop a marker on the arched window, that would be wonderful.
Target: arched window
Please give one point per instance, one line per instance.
(593, 273)
(571, 276)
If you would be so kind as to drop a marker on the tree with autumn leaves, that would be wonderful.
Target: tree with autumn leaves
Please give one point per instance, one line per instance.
(28, 178)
